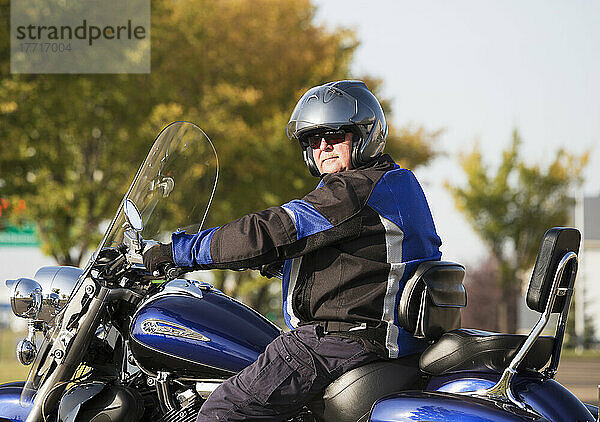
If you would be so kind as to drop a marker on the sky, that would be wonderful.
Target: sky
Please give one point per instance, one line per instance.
(478, 70)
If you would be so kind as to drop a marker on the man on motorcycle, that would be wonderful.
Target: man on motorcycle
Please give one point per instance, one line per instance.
(345, 250)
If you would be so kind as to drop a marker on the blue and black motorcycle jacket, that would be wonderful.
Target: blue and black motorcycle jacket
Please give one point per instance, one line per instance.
(347, 249)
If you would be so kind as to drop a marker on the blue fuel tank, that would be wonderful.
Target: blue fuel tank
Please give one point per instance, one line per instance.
(192, 330)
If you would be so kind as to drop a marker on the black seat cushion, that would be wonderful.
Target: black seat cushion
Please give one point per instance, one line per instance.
(350, 397)
(481, 351)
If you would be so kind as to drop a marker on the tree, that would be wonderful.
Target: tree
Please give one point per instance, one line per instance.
(511, 208)
(482, 288)
(72, 143)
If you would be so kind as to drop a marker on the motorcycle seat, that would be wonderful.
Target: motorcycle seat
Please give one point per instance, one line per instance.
(470, 350)
(350, 397)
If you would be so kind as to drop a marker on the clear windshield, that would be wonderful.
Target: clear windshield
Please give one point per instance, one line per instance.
(172, 189)
(174, 186)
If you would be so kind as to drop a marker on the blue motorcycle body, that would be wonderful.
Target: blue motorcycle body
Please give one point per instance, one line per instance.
(445, 399)
(10, 407)
(203, 335)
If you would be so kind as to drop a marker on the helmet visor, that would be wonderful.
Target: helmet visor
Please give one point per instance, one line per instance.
(325, 107)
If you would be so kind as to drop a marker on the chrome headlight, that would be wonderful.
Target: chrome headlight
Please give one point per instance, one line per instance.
(26, 297)
(44, 297)
(26, 352)
(57, 285)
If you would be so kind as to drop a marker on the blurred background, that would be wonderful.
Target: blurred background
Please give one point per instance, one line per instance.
(494, 105)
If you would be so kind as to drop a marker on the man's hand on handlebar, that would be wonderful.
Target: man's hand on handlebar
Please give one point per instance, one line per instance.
(159, 257)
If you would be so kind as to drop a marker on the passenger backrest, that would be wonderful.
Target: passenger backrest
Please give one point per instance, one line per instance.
(556, 243)
(431, 300)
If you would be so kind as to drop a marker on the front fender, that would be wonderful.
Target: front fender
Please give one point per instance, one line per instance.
(10, 406)
(442, 407)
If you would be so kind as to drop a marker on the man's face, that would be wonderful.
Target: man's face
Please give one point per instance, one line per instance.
(332, 156)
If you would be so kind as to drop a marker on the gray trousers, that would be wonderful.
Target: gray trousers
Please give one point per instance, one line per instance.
(293, 370)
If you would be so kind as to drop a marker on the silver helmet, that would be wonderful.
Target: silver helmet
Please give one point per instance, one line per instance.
(347, 105)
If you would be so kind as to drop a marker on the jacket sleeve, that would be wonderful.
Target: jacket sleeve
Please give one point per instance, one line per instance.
(326, 216)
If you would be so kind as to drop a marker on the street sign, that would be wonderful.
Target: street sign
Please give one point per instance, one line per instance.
(24, 235)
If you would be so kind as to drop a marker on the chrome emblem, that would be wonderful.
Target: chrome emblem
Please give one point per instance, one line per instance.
(157, 326)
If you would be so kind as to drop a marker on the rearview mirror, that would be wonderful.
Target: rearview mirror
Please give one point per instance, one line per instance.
(133, 215)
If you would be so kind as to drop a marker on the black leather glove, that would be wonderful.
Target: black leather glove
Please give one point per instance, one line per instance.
(158, 256)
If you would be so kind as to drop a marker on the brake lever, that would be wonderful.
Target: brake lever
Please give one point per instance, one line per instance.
(135, 246)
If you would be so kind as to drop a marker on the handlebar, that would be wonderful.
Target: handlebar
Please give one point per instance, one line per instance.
(171, 271)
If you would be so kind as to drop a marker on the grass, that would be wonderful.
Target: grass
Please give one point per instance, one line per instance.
(10, 368)
(585, 354)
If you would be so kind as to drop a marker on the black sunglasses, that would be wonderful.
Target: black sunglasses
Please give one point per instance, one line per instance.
(331, 138)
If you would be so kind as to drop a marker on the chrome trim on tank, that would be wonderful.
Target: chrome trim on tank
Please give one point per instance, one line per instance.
(180, 287)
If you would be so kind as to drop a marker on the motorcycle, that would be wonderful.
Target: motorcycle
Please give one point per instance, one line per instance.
(125, 345)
